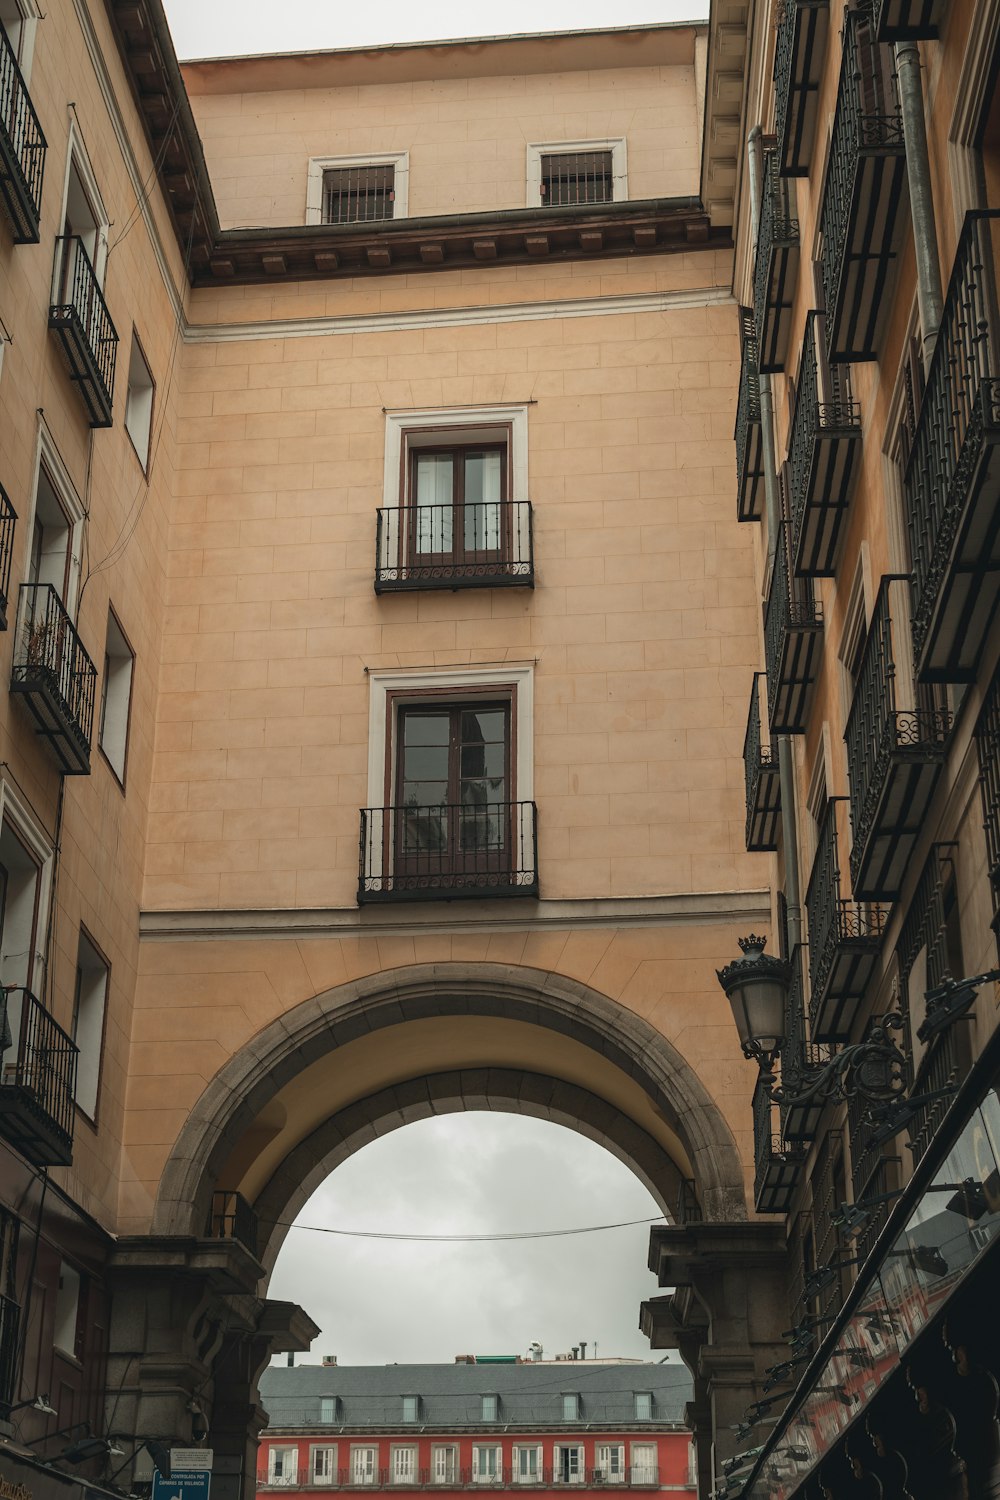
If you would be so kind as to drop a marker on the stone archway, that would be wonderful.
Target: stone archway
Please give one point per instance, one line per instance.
(319, 1028)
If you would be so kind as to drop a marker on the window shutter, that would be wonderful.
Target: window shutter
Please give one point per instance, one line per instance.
(475, 1463)
(540, 1460)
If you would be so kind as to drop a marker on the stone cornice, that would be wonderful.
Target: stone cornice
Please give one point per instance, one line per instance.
(214, 256)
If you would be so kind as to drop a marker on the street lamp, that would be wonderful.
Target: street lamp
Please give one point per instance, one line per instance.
(756, 987)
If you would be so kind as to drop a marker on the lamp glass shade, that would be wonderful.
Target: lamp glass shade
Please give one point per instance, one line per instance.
(756, 987)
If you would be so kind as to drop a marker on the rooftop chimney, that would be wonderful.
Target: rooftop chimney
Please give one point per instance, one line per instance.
(291, 1361)
(583, 1348)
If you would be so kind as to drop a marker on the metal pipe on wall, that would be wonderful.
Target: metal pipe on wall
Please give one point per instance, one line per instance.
(918, 173)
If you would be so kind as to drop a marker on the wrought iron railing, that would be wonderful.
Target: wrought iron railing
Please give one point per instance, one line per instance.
(988, 752)
(800, 1058)
(447, 851)
(833, 919)
(876, 727)
(8, 519)
(688, 1210)
(49, 655)
(747, 417)
(791, 605)
(757, 758)
(867, 118)
(10, 1327)
(771, 1153)
(777, 226)
(78, 308)
(44, 1058)
(232, 1218)
(545, 1476)
(960, 400)
(22, 149)
(481, 544)
(817, 411)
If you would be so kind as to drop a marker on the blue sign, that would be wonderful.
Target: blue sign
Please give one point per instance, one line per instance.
(186, 1484)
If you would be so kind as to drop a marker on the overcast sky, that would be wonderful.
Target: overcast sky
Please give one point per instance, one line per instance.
(383, 1302)
(227, 27)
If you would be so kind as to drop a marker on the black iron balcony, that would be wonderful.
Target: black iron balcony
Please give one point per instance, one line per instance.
(466, 546)
(952, 479)
(22, 150)
(448, 852)
(778, 1163)
(55, 675)
(232, 1218)
(861, 214)
(37, 1080)
(908, 20)
(79, 317)
(801, 1061)
(760, 766)
(988, 754)
(793, 641)
(895, 751)
(823, 459)
(776, 269)
(799, 55)
(10, 1327)
(844, 937)
(8, 518)
(748, 435)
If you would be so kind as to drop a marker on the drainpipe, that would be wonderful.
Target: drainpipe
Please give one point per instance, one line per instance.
(772, 509)
(918, 172)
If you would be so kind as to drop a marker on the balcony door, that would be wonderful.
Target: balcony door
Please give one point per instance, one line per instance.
(456, 517)
(453, 801)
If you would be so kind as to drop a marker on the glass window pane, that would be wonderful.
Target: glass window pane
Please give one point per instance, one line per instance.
(424, 830)
(434, 501)
(483, 492)
(425, 793)
(425, 729)
(425, 763)
(480, 727)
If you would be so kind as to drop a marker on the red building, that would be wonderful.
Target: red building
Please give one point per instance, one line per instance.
(541, 1425)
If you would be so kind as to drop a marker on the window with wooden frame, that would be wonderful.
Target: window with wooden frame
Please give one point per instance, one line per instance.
(323, 1464)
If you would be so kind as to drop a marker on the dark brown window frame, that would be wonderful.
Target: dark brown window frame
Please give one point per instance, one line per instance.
(121, 780)
(79, 1111)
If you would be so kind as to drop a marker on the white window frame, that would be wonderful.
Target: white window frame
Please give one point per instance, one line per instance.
(415, 1409)
(140, 400)
(318, 165)
(283, 1479)
(76, 156)
(89, 1017)
(647, 1397)
(537, 149)
(580, 1474)
(329, 1450)
(515, 1464)
(478, 1476)
(31, 14)
(609, 1462)
(571, 1406)
(403, 1463)
(444, 1463)
(47, 456)
(370, 1470)
(32, 835)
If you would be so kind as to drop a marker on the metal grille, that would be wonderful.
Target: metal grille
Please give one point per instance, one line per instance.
(447, 851)
(22, 149)
(8, 516)
(988, 750)
(570, 177)
(358, 195)
(747, 415)
(827, 1243)
(469, 545)
(777, 227)
(832, 919)
(791, 606)
(10, 1322)
(816, 411)
(80, 313)
(758, 760)
(232, 1218)
(44, 1065)
(50, 656)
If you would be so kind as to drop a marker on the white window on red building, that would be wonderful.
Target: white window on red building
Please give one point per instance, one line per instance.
(567, 1464)
(323, 1464)
(364, 1465)
(444, 1463)
(644, 1463)
(527, 1464)
(404, 1464)
(487, 1463)
(643, 1406)
(609, 1462)
(282, 1466)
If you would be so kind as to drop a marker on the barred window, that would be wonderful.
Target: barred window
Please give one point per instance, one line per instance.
(358, 195)
(577, 177)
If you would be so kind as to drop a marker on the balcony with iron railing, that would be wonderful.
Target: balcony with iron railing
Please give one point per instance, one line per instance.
(801, 1059)
(864, 197)
(776, 269)
(793, 644)
(55, 676)
(37, 1080)
(763, 786)
(987, 735)
(231, 1218)
(908, 20)
(464, 546)
(545, 1476)
(778, 1164)
(448, 852)
(8, 520)
(824, 455)
(22, 150)
(80, 319)
(844, 936)
(748, 434)
(896, 739)
(799, 55)
(951, 482)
